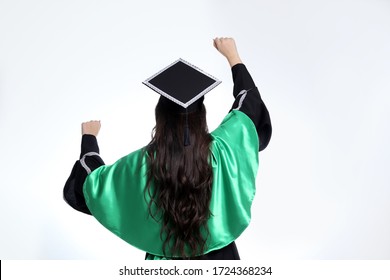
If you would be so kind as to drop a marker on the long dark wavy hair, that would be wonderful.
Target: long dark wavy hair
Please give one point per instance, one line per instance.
(182, 179)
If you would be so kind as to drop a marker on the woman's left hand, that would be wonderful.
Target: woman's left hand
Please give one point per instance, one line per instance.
(91, 127)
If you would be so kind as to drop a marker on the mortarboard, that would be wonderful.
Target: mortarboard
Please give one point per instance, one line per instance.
(183, 84)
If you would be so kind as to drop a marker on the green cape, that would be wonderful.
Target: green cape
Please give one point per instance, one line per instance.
(115, 193)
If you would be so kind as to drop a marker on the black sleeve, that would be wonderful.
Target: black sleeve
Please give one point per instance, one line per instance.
(89, 161)
(248, 101)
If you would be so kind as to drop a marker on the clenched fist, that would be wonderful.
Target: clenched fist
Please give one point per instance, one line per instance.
(91, 127)
(227, 47)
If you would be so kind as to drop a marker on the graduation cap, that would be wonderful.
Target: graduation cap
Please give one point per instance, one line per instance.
(182, 86)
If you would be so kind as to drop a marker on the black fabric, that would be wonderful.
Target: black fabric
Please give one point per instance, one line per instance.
(229, 252)
(73, 189)
(252, 105)
(173, 107)
(89, 144)
(182, 83)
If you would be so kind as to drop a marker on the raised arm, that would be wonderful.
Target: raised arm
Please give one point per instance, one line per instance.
(245, 92)
(89, 161)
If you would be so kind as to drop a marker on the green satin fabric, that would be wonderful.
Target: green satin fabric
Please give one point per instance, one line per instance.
(115, 193)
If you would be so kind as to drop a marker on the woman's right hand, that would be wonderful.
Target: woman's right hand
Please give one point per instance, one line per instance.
(91, 127)
(227, 47)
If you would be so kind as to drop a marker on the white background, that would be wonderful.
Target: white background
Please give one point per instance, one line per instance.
(322, 68)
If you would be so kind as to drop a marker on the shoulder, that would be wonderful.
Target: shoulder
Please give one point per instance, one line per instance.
(236, 129)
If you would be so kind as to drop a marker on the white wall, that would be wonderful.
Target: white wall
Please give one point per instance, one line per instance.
(322, 68)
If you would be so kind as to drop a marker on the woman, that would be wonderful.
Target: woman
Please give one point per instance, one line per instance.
(176, 200)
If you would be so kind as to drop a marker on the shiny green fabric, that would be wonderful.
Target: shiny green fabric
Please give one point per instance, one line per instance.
(115, 193)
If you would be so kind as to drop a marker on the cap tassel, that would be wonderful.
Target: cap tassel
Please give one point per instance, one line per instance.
(187, 141)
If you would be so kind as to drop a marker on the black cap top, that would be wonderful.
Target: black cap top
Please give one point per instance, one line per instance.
(182, 83)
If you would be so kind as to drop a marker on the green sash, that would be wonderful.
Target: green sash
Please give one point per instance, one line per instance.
(115, 193)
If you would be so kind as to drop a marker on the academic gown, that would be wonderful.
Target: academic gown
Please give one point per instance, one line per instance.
(114, 194)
